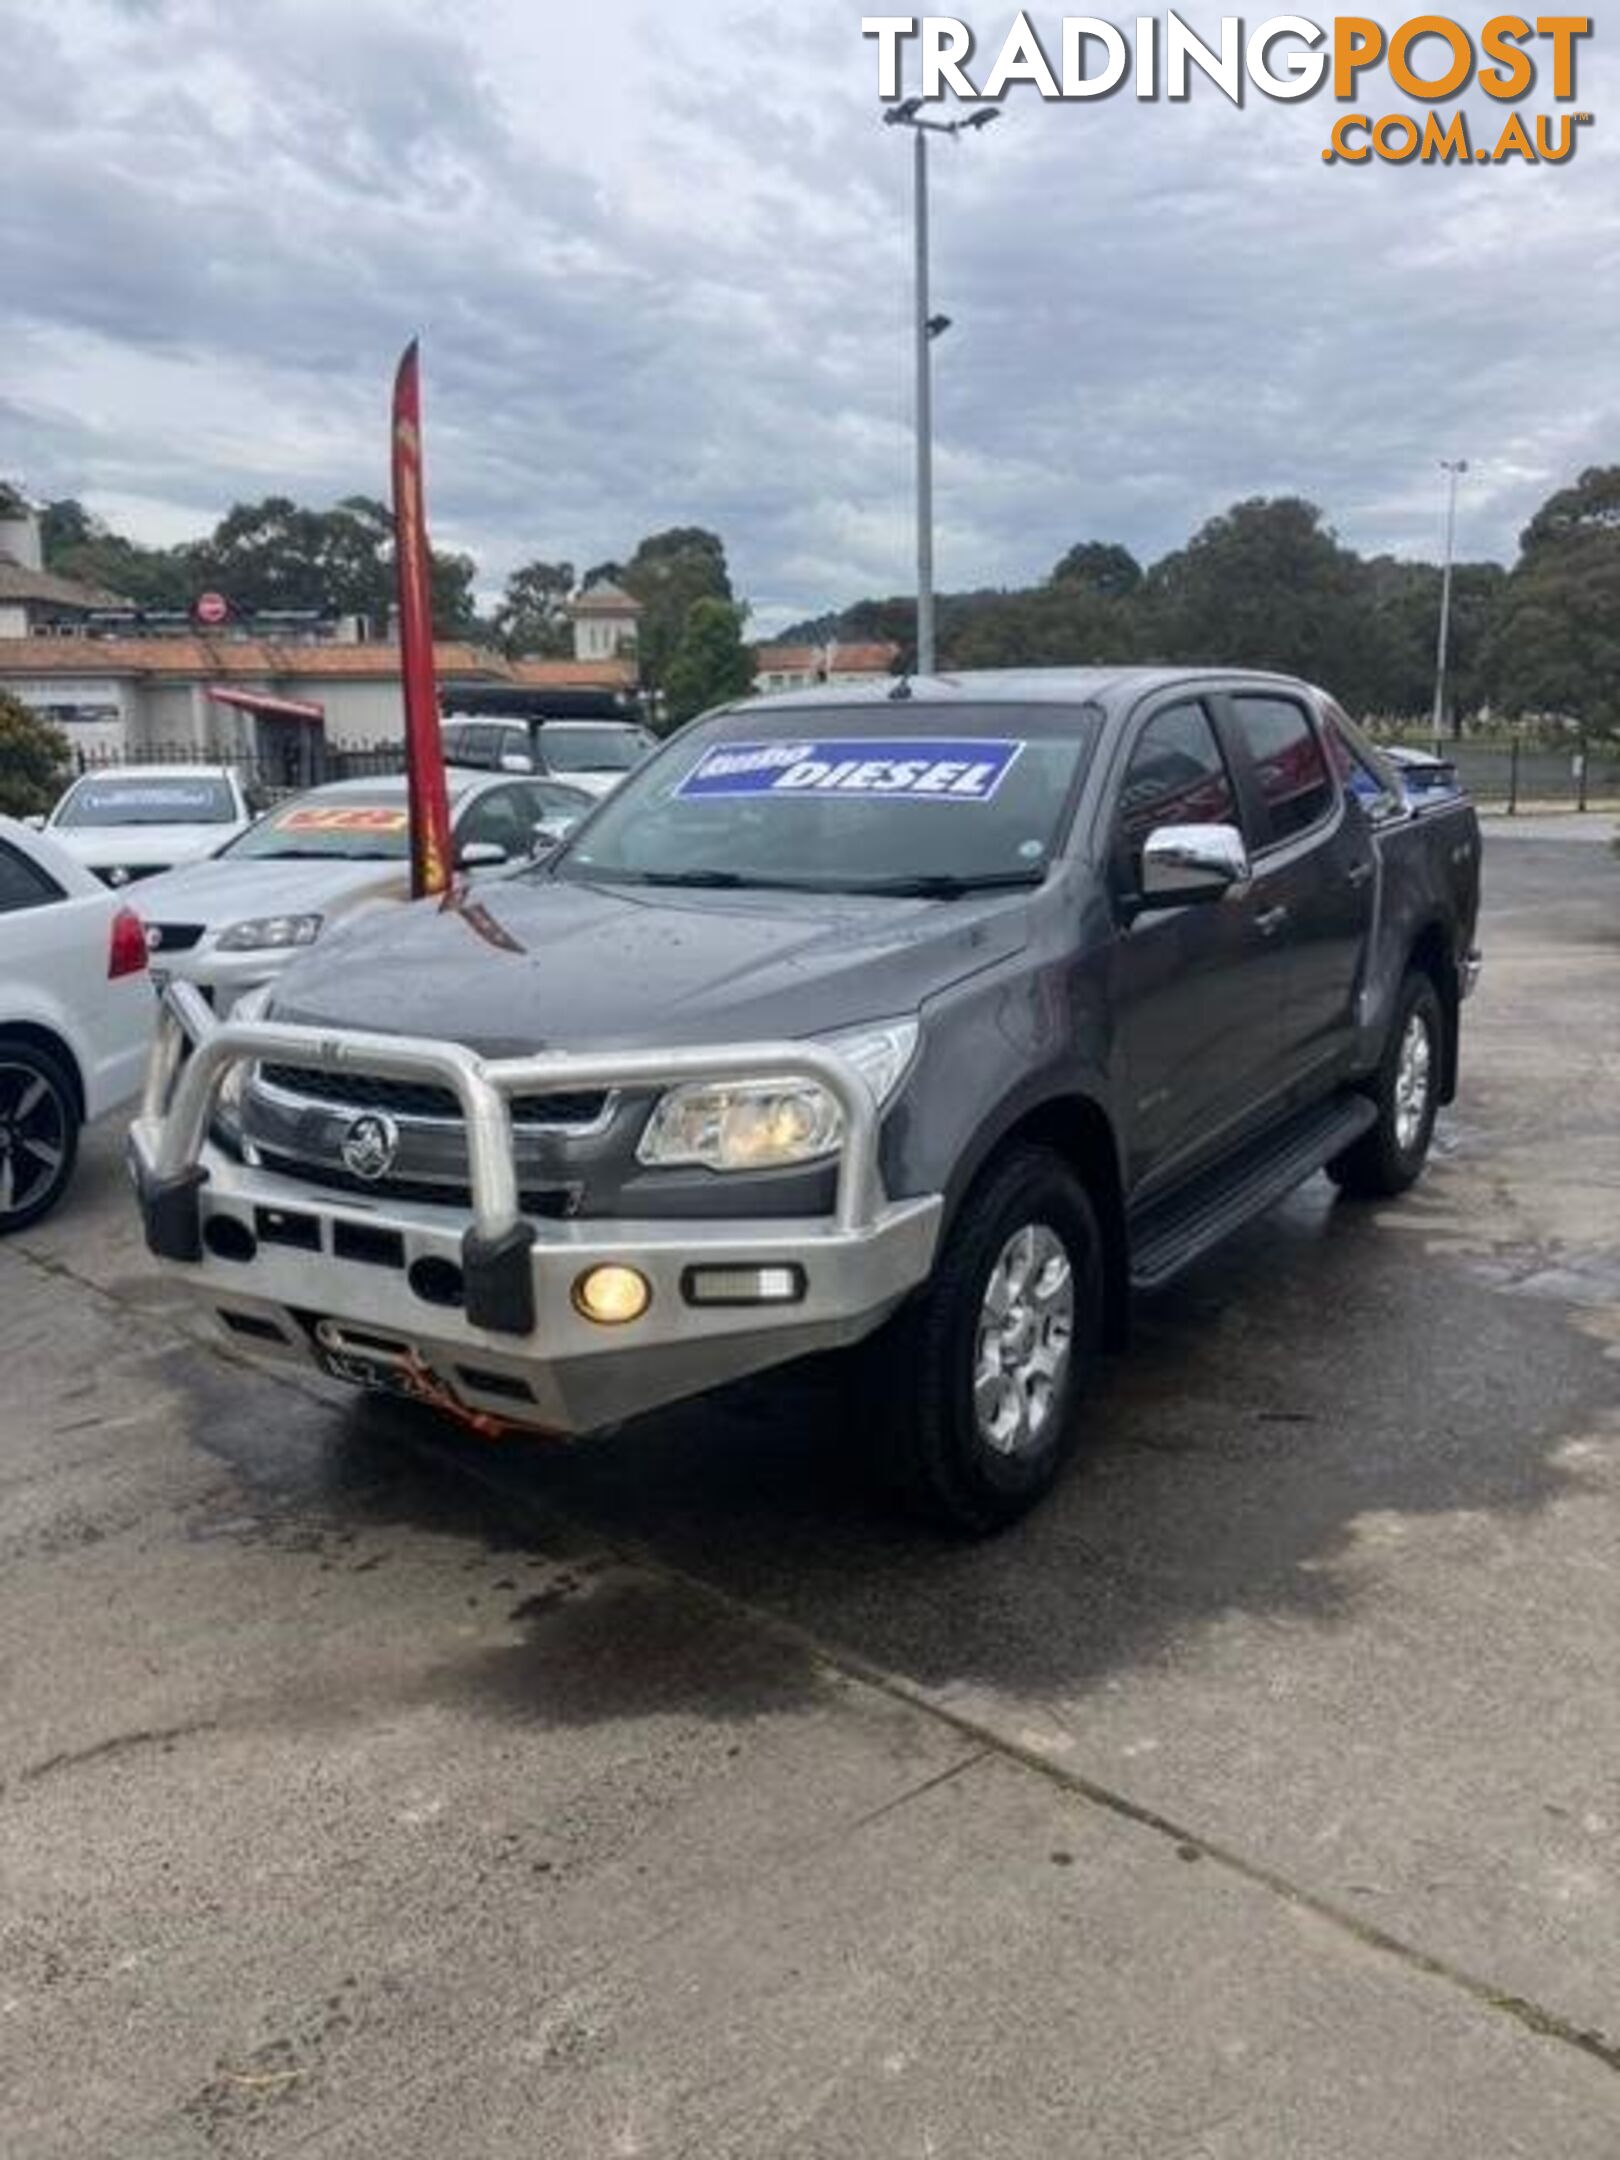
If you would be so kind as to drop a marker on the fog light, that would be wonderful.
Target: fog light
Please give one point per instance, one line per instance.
(776, 1285)
(612, 1295)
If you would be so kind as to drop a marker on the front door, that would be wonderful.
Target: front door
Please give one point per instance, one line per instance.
(1198, 989)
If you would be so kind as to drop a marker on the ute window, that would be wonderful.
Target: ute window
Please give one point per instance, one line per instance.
(148, 802)
(877, 799)
(1292, 773)
(1177, 776)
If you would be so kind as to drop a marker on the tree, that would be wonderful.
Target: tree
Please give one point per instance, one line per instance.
(1053, 626)
(533, 615)
(1102, 567)
(35, 761)
(1554, 646)
(455, 605)
(1266, 584)
(668, 573)
(278, 554)
(77, 545)
(711, 665)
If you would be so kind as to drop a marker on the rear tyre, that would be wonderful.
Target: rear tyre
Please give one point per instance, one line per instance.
(39, 1132)
(986, 1368)
(1389, 1157)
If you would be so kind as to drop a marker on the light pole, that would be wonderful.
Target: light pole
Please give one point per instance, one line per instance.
(927, 327)
(1454, 468)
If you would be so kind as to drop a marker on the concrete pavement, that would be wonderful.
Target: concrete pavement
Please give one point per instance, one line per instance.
(366, 1790)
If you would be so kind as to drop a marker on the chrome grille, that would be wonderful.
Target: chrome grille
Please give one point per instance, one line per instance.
(421, 1099)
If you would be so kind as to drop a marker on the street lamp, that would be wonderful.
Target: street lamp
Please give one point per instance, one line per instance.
(928, 327)
(1454, 468)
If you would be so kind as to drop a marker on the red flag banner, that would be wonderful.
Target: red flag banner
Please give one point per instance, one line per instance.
(424, 752)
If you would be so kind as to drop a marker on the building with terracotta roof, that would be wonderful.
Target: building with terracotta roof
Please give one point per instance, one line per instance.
(239, 696)
(800, 667)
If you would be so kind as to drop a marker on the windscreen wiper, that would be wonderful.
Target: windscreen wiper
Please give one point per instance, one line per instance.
(945, 884)
(726, 881)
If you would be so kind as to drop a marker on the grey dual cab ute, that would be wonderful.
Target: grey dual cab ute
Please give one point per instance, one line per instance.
(931, 1019)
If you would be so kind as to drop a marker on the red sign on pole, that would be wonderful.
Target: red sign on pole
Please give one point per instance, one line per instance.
(211, 609)
(424, 753)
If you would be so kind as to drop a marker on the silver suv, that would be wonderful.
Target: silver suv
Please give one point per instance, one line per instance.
(591, 754)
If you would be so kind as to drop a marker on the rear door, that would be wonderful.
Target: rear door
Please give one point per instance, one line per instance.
(1315, 872)
(1197, 993)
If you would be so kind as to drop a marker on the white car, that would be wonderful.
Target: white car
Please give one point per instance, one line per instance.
(133, 820)
(76, 1015)
(591, 754)
(318, 859)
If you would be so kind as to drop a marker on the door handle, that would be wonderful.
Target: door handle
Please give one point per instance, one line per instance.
(1359, 873)
(1271, 921)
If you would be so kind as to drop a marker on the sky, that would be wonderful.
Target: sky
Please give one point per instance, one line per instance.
(659, 258)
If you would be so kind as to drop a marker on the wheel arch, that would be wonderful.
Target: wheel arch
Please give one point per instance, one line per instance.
(55, 1046)
(1075, 1126)
(1431, 954)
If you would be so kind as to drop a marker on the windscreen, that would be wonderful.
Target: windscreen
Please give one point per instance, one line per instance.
(346, 829)
(136, 801)
(872, 799)
(591, 749)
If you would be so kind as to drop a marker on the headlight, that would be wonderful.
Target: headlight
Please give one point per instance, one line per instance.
(266, 932)
(768, 1124)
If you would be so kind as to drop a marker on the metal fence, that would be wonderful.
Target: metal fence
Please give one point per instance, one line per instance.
(1514, 773)
(266, 775)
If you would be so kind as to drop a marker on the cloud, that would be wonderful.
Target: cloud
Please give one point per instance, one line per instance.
(661, 263)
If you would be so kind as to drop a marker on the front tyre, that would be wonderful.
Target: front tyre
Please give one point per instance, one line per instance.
(39, 1132)
(985, 1370)
(1405, 1090)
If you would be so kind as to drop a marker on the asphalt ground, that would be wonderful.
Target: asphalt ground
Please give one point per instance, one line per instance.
(367, 1790)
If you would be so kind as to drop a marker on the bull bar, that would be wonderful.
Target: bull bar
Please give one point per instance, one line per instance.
(861, 1258)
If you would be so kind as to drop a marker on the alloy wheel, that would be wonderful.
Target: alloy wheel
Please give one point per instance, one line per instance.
(1025, 1334)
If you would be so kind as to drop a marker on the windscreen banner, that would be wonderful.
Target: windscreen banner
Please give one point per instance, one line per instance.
(907, 769)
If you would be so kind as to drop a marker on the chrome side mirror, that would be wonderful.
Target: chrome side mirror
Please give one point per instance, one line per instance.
(481, 855)
(1184, 863)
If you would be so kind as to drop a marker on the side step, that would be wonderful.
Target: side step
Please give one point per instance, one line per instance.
(1170, 1235)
